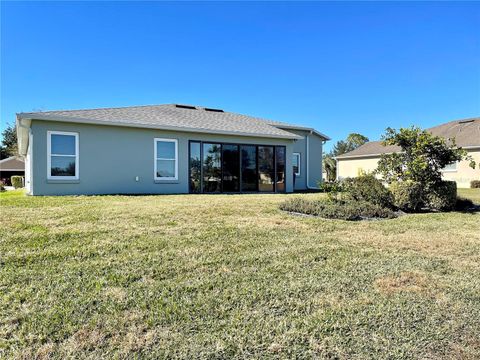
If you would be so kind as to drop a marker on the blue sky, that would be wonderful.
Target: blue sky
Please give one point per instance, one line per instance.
(339, 67)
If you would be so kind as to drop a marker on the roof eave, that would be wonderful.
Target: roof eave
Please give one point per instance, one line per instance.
(295, 127)
(36, 116)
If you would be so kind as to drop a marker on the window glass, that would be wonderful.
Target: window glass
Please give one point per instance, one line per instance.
(296, 164)
(212, 168)
(195, 167)
(166, 168)
(249, 168)
(62, 166)
(231, 168)
(62, 144)
(266, 168)
(165, 150)
(280, 168)
(450, 167)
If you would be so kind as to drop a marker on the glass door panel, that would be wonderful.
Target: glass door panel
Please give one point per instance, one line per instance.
(249, 168)
(195, 167)
(266, 168)
(231, 168)
(212, 168)
(280, 154)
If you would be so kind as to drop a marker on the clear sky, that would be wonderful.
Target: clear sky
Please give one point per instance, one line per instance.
(340, 67)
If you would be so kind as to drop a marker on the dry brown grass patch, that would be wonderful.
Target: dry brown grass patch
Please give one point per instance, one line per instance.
(405, 282)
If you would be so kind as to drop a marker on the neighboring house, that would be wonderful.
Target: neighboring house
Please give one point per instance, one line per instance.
(11, 166)
(465, 132)
(165, 149)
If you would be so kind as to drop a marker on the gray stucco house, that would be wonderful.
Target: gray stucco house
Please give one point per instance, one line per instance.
(165, 149)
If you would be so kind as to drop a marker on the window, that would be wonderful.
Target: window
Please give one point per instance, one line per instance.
(62, 158)
(450, 167)
(166, 155)
(280, 168)
(296, 163)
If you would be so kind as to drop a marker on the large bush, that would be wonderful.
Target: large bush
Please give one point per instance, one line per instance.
(17, 181)
(442, 197)
(475, 184)
(370, 189)
(2, 186)
(344, 210)
(407, 195)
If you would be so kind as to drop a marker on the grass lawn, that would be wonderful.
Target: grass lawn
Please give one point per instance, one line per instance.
(231, 276)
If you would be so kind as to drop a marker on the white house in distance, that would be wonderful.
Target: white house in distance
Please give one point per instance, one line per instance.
(466, 133)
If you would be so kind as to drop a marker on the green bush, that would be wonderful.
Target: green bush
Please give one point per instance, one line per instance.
(344, 210)
(368, 188)
(464, 204)
(407, 195)
(442, 197)
(475, 184)
(2, 186)
(17, 181)
(330, 186)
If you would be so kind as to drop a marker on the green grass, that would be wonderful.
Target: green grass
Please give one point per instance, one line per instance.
(231, 276)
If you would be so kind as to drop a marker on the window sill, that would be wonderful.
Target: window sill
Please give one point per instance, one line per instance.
(63, 181)
(166, 181)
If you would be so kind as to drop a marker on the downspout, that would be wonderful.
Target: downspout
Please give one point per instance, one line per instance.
(308, 164)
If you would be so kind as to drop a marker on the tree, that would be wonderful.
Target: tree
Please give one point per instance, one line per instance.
(352, 142)
(421, 159)
(9, 142)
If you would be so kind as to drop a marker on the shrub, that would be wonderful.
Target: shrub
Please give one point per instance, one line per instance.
(2, 186)
(368, 188)
(475, 184)
(330, 186)
(442, 197)
(407, 195)
(464, 204)
(344, 210)
(17, 181)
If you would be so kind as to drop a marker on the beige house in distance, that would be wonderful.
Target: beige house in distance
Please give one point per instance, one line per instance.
(466, 133)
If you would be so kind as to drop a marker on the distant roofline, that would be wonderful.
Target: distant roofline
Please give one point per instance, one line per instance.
(377, 154)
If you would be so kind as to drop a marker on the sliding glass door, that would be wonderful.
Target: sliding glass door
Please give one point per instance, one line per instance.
(195, 168)
(280, 158)
(249, 168)
(212, 168)
(217, 167)
(231, 168)
(266, 168)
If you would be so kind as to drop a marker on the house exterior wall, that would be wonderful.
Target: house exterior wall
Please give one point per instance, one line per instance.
(315, 145)
(111, 157)
(354, 167)
(462, 175)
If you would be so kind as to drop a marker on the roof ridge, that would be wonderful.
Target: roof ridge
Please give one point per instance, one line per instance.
(100, 108)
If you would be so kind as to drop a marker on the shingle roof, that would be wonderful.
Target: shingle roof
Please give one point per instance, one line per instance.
(466, 133)
(170, 117)
(12, 163)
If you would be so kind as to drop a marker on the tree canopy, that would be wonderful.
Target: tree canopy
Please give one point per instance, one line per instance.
(422, 157)
(352, 142)
(8, 146)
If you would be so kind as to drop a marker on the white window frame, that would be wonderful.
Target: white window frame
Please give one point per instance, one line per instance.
(454, 169)
(298, 155)
(155, 158)
(49, 156)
